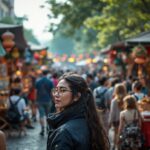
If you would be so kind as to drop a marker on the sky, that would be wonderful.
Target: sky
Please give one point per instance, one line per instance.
(37, 17)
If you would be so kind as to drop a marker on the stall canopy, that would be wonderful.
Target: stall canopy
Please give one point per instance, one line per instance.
(143, 38)
(36, 47)
(17, 30)
(119, 46)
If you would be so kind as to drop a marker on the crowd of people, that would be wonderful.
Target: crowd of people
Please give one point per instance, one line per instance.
(78, 109)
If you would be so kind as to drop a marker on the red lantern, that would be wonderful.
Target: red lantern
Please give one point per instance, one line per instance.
(15, 53)
(43, 53)
(140, 60)
(8, 42)
(36, 56)
(8, 34)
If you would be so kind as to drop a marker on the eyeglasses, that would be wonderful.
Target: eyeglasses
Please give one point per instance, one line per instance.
(60, 91)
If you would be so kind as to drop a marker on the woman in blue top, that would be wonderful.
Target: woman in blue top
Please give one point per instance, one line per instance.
(75, 125)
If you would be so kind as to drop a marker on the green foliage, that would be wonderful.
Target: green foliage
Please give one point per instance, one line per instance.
(112, 20)
(120, 19)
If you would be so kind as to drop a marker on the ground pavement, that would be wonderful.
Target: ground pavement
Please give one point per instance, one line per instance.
(32, 141)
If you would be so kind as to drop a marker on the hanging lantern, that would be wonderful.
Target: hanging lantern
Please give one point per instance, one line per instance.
(36, 56)
(15, 53)
(140, 60)
(139, 53)
(8, 42)
(43, 53)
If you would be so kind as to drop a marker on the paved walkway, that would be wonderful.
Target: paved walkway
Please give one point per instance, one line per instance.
(32, 141)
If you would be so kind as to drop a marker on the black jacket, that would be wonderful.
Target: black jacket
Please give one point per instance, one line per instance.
(69, 129)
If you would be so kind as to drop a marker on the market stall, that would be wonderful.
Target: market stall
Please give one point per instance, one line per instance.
(144, 107)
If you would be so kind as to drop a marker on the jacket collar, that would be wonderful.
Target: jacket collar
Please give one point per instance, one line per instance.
(75, 111)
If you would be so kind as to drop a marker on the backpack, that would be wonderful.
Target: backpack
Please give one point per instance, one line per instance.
(13, 114)
(100, 99)
(131, 136)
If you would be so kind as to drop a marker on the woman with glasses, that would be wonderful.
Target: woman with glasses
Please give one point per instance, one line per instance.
(75, 125)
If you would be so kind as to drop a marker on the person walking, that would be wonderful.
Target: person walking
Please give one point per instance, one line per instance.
(101, 101)
(76, 124)
(115, 108)
(43, 88)
(137, 87)
(130, 120)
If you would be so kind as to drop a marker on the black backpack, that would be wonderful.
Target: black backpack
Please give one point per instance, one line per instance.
(131, 136)
(100, 99)
(13, 114)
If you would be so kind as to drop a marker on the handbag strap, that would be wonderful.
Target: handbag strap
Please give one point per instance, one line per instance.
(134, 117)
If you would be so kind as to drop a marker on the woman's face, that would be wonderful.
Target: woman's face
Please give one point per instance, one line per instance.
(62, 95)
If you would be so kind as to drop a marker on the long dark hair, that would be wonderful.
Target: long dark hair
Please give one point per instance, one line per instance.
(99, 139)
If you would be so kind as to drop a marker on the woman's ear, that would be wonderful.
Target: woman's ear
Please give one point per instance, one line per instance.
(77, 97)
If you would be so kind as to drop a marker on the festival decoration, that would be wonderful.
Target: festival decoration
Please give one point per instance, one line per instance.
(36, 56)
(139, 54)
(8, 42)
(43, 53)
(15, 53)
(112, 56)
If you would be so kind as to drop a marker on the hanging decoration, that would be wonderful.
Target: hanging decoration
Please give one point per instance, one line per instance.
(139, 54)
(43, 53)
(8, 42)
(112, 56)
(15, 53)
(36, 56)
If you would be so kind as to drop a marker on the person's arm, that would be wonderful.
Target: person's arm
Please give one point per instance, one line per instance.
(112, 113)
(2, 141)
(121, 125)
(60, 141)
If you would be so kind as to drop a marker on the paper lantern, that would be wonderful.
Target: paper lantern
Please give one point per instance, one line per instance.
(36, 56)
(140, 60)
(43, 53)
(139, 51)
(8, 42)
(15, 53)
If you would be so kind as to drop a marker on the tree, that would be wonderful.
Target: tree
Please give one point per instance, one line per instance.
(73, 14)
(120, 20)
(112, 20)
